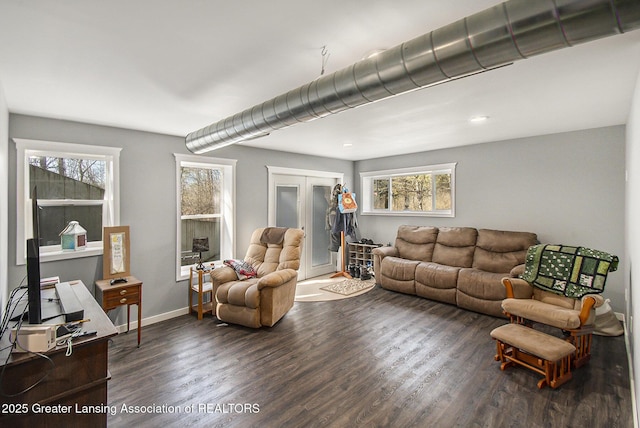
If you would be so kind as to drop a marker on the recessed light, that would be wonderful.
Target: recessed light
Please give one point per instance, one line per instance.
(478, 119)
(345, 145)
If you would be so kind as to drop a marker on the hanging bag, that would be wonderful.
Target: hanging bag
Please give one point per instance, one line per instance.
(347, 202)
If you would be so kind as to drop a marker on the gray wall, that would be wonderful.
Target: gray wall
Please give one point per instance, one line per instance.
(568, 188)
(4, 209)
(148, 202)
(632, 269)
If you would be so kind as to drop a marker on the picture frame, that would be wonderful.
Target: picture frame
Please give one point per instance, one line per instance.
(116, 252)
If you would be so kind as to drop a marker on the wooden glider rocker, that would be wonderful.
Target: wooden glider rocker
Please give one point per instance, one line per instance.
(526, 305)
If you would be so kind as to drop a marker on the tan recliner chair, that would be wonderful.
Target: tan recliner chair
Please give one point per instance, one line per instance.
(274, 253)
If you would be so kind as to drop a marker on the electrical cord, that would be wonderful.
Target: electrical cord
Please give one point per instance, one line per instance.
(68, 341)
(14, 344)
(11, 307)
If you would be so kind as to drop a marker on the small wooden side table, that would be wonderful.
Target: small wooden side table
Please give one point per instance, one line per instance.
(202, 288)
(120, 294)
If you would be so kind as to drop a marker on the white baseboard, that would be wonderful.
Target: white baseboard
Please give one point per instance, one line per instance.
(154, 319)
(634, 407)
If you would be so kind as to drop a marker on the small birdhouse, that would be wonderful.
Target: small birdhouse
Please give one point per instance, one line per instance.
(73, 237)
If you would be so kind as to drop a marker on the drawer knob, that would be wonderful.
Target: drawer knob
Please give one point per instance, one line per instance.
(123, 292)
(123, 300)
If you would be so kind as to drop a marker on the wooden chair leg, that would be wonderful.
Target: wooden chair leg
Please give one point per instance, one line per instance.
(199, 306)
(561, 372)
(555, 373)
(190, 292)
(582, 342)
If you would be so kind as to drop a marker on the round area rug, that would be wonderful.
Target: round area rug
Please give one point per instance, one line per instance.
(327, 288)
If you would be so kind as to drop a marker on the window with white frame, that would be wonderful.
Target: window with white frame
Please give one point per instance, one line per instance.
(419, 191)
(72, 182)
(205, 209)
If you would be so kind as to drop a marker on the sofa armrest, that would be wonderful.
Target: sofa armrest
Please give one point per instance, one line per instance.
(379, 254)
(517, 288)
(277, 278)
(385, 251)
(222, 274)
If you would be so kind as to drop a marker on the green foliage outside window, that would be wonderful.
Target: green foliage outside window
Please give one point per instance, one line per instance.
(413, 192)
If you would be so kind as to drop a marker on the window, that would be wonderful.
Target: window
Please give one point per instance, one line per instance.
(205, 201)
(420, 191)
(74, 182)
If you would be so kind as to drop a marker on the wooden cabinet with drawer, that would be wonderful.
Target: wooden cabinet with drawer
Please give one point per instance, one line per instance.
(128, 293)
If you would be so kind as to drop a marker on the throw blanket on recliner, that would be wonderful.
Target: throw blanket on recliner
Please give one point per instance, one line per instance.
(273, 235)
(569, 271)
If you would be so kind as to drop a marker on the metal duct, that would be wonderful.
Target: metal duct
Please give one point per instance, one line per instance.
(497, 36)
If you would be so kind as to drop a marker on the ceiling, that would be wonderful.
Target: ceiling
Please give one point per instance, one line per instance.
(173, 67)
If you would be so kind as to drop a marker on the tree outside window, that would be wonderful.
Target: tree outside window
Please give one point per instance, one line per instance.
(68, 189)
(205, 199)
(410, 191)
(74, 182)
(201, 201)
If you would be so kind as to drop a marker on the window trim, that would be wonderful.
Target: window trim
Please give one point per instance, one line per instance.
(228, 166)
(111, 204)
(366, 188)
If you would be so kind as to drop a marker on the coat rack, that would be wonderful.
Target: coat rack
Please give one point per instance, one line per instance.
(343, 271)
(346, 205)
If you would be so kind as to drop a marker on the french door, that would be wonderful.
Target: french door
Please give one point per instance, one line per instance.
(300, 198)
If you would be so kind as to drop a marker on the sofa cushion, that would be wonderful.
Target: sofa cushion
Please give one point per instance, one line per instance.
(556, 299)
(481, 284)
(455, 246)
(500, 251)
(480, 291)
(416, 242)
(545, 313)
(437, 282)
(398, 274)
(436, 275)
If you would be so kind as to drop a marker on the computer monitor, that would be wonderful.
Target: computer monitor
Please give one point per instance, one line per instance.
(33, 264)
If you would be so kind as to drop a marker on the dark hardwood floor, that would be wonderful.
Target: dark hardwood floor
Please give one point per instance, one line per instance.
(381, 359)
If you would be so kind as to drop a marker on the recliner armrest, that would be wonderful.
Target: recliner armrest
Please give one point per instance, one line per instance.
(223, 274)
(517, 288)
(598, 300)
(517, 271)
(589, 302)
(277, 278)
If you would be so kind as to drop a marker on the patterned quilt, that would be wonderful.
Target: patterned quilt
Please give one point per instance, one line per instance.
(569, 271)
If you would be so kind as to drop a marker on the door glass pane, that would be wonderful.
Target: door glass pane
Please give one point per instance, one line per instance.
(287, 206)
(320, 252)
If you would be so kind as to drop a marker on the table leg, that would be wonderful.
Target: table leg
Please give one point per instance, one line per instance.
(139, 315)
